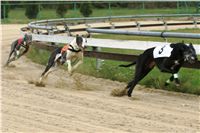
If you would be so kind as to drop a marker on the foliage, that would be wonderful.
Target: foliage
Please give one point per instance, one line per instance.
(32, 11)
(86, 9)
(4, 10)
(17, 15)
(61, 10)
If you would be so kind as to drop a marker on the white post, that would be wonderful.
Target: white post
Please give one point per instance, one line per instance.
(112, 25)
(194, 22)
(165, 24)
(138, 25)
(98, 61)
(67, 30)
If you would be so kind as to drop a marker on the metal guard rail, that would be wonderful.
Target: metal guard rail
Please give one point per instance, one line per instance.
(35, 24)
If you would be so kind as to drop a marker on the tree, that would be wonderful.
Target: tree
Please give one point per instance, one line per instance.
(61, 10)
(4, 9)
(86, 9)
(32, 11)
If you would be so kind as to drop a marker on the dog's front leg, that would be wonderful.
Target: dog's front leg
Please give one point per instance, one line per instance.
(80, 58)
(169, 80)
(69, 67)
(77, 64)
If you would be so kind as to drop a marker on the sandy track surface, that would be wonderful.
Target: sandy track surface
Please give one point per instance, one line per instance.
(83, 103)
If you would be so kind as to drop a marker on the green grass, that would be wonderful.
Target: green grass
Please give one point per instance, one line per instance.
(18, 15)
(38, 56)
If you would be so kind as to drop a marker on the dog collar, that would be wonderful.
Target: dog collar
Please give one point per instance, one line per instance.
(71, 48)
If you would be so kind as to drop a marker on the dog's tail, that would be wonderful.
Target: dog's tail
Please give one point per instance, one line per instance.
(128, 65)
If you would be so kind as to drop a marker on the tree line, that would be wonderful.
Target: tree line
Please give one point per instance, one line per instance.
(31, 11)
(85, 9)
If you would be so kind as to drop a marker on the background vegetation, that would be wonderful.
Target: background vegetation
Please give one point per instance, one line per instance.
(31, 11)
(61, 10)
(16, 10)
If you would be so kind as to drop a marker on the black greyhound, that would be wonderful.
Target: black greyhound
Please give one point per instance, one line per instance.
(174, 55)
(22, 42)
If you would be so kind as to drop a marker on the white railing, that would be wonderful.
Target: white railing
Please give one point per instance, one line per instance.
(105, 43)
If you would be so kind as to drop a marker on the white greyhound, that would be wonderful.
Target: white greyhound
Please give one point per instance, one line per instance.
(69, 52)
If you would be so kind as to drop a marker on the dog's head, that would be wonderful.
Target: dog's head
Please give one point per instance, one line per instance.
(27, 38)
(190, 54)
(81, 41)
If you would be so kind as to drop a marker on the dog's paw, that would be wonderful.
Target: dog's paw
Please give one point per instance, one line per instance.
(39, 84)
(129, 94)
(177, 85)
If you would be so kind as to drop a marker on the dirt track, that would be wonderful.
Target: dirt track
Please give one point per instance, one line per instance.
(83, 103)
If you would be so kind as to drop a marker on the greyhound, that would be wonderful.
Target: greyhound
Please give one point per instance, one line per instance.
(168, 58)
(65, 54)
(20, 44)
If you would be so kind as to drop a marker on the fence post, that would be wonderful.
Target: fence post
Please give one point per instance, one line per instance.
(98, 61)
(38, 16)
(109, 8)
(137, 25)
(143, 6)
(177, 5)
(50, 32)
(87, 25)
(194, 22)
(112, 25)
(165, 24)
(4, 13)
(67, 30)
(32, 30)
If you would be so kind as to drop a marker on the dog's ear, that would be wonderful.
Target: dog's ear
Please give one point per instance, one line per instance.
(77, 35)
(88, 35)
(191, 46)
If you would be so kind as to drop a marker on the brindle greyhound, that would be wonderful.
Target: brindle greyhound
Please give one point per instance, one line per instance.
(16, 46)
(65, 54)
(174, 55)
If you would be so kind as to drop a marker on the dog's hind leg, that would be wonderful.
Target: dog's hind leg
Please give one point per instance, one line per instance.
(12, 50)
(52, 69)
(8, 61)
(45, 73)
(51, 62)
(25, 51)
(143, 67)
(139, 76)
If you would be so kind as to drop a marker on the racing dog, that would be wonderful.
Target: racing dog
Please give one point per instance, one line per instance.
(168, 58)
(18, 48)
(67, 53)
